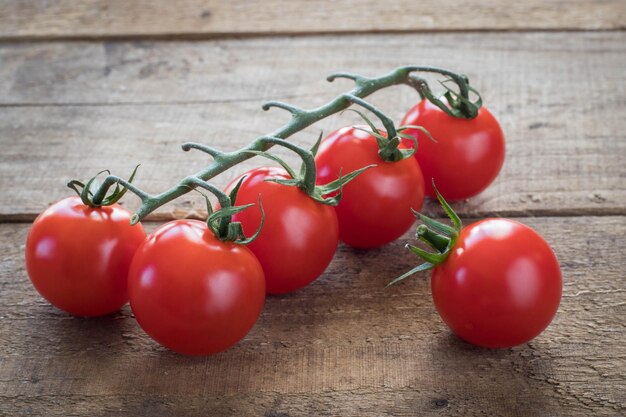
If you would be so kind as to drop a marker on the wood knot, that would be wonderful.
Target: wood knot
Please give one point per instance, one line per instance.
(440, 403)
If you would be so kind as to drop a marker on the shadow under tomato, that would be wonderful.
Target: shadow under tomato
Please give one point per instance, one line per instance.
(499, 381)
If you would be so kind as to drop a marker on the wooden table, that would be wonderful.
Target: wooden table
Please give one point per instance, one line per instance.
(100, 84)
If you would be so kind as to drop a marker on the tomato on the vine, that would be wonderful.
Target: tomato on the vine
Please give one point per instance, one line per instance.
(193, 293)
(299, 236)
(78, 257)
(375, 207)
(496, 283)
(465, 157)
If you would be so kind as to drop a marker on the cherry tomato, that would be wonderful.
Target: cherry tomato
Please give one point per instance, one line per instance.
(375, 207)
(78, 257)
(299, 236)
(467, 155)
(193, 293)
(500, 286)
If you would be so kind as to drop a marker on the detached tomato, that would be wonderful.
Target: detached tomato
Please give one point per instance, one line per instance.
(78, 257)
(467, 156)
(192, 292)
(375, 207)
(500, 286)
(299, 236)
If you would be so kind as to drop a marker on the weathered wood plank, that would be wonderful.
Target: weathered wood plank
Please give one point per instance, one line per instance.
(71, 109)
(554, 69)
(117, 18)
(342, 346)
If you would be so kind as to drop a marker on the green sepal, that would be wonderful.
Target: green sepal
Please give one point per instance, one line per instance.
(336, 186)
(463, 105)
(77, 186)
(235, 190)
(242, 240)
(380, 139)
(209, 207)
(292, 182)
(86, 191)
(118, 193)
(366, 119)
(456, 221)
(440, 237)
(422, 267)
(388, 147)
(218, 215)
(234, 231)
(433, 258)
(220, 221)
(415, 127)
(390, 151)
(456, 106)
(275, 158)
(438, 226)
(318, 192)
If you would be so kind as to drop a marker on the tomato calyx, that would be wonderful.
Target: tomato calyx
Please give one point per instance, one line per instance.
(454, 103)
(87, 192)
(439, 236)
(220, 221)
(388, 143)
(327, 194)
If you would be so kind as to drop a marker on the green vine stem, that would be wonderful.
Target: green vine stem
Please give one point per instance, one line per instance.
(457, 105)
(300, 119)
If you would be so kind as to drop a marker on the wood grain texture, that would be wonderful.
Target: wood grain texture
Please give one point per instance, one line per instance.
(71, 109)
(118, 18)
(343, 346)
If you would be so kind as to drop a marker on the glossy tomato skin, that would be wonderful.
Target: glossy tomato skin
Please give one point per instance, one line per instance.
(78, 257)
(467, 156)
(375, 207)
(500, 286)
(193, 293)
(299, 236)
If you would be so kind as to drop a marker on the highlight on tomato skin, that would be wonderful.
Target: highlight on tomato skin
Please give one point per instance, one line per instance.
(78, 257)
(375, 208)
(500, 286)
(465, 157)
(193, 293)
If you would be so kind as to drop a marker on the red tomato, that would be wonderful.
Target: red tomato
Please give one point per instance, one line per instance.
(375, 207)
(467, 156)
(500, 286)
(78, 257)
(299, 237)
(192, 292)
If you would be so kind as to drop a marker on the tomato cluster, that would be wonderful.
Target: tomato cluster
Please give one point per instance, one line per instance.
(495, 283)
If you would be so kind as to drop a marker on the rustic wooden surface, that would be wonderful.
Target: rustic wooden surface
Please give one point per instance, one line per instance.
(77, 95)
(355, 350)
(35, 19)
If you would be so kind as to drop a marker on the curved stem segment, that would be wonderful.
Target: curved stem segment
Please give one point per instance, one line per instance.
(308, 160)
(300, 119)
(111, 180)
(461, 106)
(386, 121)
(224, 200)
